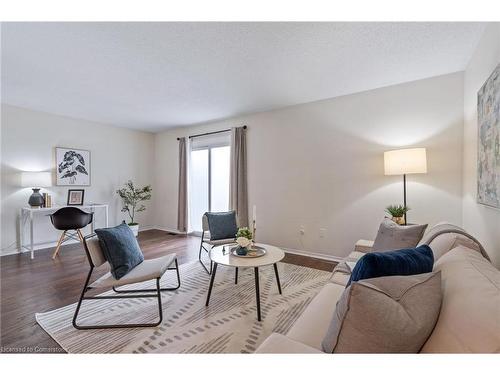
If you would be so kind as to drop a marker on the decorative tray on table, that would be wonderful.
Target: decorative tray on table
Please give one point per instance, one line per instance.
(253, 252)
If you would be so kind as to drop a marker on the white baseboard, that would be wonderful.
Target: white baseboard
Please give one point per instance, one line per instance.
(169, 230)
(17, 250)
(310, 254)
(46, 245)
(146, 227)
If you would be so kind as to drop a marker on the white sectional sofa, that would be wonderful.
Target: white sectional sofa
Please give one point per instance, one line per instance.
(469, 320)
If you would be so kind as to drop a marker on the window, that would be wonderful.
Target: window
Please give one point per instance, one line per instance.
(209, 177)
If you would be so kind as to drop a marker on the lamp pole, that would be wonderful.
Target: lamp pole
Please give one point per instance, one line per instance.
(404, 196)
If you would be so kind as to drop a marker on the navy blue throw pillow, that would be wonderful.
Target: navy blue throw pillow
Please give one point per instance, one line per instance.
(120, 248)
(222, 225)
(402, 262)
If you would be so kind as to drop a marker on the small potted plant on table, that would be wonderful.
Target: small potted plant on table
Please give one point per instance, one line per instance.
(244, 241)
(132, 198)
(398, 213)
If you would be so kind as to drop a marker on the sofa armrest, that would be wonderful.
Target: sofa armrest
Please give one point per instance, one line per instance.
(363, 246)
(278, 343)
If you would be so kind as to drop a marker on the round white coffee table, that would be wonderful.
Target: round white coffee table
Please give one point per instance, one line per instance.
(221, 255)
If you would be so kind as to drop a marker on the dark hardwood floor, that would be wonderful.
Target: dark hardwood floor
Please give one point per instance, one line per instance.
(42, 284)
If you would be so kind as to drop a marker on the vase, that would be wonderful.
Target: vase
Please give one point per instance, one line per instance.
(242, 251)
(36, 199)
(135, 229)
(399, 220)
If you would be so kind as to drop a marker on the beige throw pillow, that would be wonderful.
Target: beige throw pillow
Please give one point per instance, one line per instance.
(392, 236)
(392, 314)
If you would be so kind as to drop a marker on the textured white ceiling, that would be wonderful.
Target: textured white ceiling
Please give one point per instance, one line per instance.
(153, 76)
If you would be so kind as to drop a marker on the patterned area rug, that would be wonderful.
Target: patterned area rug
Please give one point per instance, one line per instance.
(228, 325)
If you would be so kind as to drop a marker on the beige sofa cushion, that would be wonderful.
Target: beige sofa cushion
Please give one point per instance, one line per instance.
(342, 271)
(311, 326)
(340, 278)
(393, 314)
(469, 321)
(363, 246)
(447, 241)
(443, 237)
(355, 255)
(392, 236)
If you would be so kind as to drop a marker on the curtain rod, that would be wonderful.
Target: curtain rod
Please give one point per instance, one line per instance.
(216, 132)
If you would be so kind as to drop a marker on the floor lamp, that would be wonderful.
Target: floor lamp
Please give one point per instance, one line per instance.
(403, 162)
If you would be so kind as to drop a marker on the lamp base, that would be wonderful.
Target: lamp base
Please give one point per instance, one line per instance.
(36, 199)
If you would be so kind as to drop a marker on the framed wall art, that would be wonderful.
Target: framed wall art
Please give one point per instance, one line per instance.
(488, 158)
(72, 167)
(75, 197)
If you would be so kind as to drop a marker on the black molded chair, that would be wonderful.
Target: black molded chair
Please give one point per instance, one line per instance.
(70, 219)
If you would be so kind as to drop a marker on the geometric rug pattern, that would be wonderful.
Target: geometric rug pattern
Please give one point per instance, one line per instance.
(228, 325)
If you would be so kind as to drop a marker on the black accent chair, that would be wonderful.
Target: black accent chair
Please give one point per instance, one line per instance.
(70, 220)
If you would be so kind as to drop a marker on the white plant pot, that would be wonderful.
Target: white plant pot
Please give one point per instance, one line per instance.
(135, 229)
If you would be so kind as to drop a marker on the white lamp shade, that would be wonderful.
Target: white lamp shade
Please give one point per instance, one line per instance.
(36, 179)
(406, 161)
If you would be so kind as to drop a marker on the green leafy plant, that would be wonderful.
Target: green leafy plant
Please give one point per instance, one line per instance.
(397, 210)
(132, 198)
(244, 232)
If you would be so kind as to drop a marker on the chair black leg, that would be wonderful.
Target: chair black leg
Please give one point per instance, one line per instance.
(178, 274)
(236, 276)
(208, 270)
(158, 291)
(80, 300)
(107, 326)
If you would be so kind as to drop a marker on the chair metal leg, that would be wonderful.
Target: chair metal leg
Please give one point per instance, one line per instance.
(153, 290)
(133, 325)
(80, 300)
(209, 271)
(236, 276)
(59, 243)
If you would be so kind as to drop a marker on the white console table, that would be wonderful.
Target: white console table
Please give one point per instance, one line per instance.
(28, 215)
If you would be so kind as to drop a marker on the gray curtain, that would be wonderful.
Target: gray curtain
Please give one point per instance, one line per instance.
(182, 205)
(238, 194)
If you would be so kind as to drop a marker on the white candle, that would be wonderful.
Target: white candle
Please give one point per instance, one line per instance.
(254, 213)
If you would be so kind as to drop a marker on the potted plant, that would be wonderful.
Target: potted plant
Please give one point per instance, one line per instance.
(132, 198)
(398, 213)
(244, 240)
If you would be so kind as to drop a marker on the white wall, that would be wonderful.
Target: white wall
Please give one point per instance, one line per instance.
(28, 142)
(481, 221)
(320, 164)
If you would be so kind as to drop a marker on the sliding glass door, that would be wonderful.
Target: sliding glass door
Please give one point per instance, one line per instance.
(209, 177)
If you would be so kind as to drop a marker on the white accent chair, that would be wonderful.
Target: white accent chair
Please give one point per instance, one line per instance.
(151, 269)
(205, 240)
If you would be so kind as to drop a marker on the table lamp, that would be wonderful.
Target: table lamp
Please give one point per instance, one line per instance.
(35, 181)
(403, 162)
